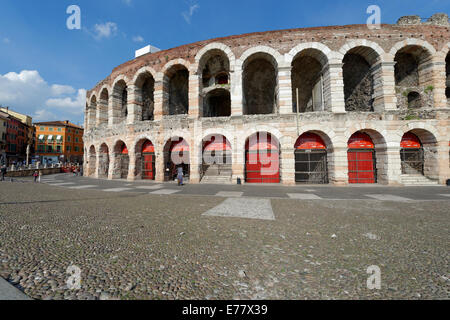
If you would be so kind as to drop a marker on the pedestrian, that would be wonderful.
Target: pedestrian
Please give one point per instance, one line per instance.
(40, 175)
(3, 173)
(180, 175)
(35, 175)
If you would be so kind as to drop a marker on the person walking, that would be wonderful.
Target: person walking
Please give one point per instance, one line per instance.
(3, 172)
(40, 175)
(35, 175)
(180, 175)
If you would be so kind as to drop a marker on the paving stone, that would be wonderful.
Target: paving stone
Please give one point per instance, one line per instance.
(244, 208)
(304, 196)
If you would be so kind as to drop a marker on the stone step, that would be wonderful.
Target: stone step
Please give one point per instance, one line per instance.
(417, 180)
(216, 179)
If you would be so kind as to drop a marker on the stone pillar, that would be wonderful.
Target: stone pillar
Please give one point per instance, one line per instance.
(194, 98)
(340, 165)
(134, 104)
(97, 164)
(384, 87)
(287, 160)
(158, 96)
(132, 164)
(236, 93)
(337, 88)
(443, 161)
(195, 153)
(238, 164)
(393, 166)
(439, 80)
(112, 164)
(285, 89)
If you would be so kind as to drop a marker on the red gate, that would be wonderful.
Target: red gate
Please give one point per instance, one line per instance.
(361, 159)
(262, 160)
(311, 160)
(148, 161)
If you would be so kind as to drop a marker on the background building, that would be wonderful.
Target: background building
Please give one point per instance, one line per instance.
(19, 137)
(59, 141)
(3, 130)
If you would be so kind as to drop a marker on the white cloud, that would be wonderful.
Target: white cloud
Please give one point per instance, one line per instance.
(187, 15)
(128, 2)
(27, 92)
(6, 40)
(138, 39)
(105, 30)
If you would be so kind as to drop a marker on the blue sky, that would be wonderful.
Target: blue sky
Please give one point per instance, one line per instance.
(46, 68)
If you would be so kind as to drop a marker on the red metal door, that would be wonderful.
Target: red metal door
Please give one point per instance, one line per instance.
(148, 161)
(262, 161)
(361, 159)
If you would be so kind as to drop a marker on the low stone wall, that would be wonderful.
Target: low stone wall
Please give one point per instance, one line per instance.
(29, 173)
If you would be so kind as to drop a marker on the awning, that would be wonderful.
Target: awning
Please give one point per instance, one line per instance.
(50, 137)
(41, 137)
(58, 137)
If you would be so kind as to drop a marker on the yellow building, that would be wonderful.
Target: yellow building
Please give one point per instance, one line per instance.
(59, 141)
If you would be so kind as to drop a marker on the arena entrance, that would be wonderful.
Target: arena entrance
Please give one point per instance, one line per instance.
(412, 155)
(361, 159)
(103, 162)
(216, 160)
(311, 160)
(262, 159)
(176, 154)
(148, 161)
(123, 160)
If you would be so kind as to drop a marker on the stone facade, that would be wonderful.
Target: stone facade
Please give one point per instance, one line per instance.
(349, 79)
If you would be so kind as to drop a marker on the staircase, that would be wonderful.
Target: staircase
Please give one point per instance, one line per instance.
(417, 180)
(216, 174)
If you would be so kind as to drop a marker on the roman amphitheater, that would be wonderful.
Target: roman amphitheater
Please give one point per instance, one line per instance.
(338, 105)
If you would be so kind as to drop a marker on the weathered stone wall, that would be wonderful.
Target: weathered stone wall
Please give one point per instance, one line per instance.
(260, 62)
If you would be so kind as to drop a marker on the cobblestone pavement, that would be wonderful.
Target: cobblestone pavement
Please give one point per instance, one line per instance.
(134, 245)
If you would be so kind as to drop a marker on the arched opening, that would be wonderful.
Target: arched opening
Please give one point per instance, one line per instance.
(411, 154)
(215, 98)
(262, 159)
(103, 161)
(311, 165)
(359, 70)
(92, 161)
(447, 78)
(176, 88)
(414, 100)
(176, 155)
(216, 159)
(413, 73)
(145, 160)
(419, 154)
(217, 103)
(361, 159)
(92, 112)
(309, 74)
(145, 87)
(260, 84)
(120, 100)
(122, 161)
(103, 107)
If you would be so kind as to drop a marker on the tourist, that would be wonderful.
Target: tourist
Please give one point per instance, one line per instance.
(40, 175)
(180, 175)
(35, 175)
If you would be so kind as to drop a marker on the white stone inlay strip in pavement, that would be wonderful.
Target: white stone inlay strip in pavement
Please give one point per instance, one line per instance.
(229, 194)
(165, 191)
(116, 189)
(61, 184)
(247, 208)
(445, 195)
(387, 197)
(83, 187)
(150, 187)
(303, 196)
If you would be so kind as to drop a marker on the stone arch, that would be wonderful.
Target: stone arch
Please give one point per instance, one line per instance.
(137, 150)
(176, 88)
(260, 84)
(215, 46)
(103, 160)
(310, 77)
(428, 136)
(121, 160)
(214, 70)
(379, 140)
(177, 158)
(327, 136)
(119, 105)
(144, 90)
(92, 111)
(103, 105)
(274, 54)
(361, 67)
